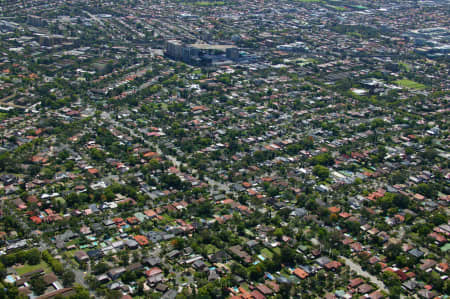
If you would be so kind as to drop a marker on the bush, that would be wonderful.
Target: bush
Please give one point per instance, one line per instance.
(32, 257)
(321, 171)
(56, 266)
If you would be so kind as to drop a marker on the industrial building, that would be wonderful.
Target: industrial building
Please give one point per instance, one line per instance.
(201, 54)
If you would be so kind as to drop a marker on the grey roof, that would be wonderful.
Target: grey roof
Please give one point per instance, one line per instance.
(170, 294)
(416, 252)
(322, 261)
(298, 212)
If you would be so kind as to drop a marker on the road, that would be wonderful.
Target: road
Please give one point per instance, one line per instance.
(5, 101)
(357, 268)
(95, 18)
(79, 276)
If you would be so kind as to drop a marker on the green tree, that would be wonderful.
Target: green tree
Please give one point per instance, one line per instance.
(393, 250)
(34, 256)
(100, 268)
(113, 294)
(391, 279)
(323, 159)
(68, 278)
(439, 219)
(38, 285)
(321, 171)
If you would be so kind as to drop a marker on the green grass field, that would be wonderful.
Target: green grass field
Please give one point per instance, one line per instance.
(410, 84)
(267, 253)
(210, 249)
(405, 65)
(277, 250)
(28, 268)
(207, 3)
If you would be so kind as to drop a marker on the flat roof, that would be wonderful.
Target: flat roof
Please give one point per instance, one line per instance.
(211, 47)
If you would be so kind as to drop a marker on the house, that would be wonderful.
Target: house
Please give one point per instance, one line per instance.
(118, 244)
(300, 273)
(94, 254)
(108, 222)
(150, 213)
(154, 275)
(133, 220)
(103, 278)
(142, 240)
(257, 295)
(442, 267)
(199, 265)
(134, 267)
(416, 253)
(263, 289)
(85, 230)
(334, 210)
(298, 212)
(131, 244)
(375, 295)
(218, 257)
(365, 288)
(355, 282)
(97, 228)
(152, 261)
(427, 265)
(409, 285)
(174, 253)
(237, 250)
(50, 278)
(65, 292)
(193, 259)
(94, 208)
(308, 269)
(356, 247)
(427, 294)
(160, 287)
(116, 272)
(170, 294)
(212, 275)
(322, 261)
(153, 271)
(81, 256)
(252, 243)
(333, 265)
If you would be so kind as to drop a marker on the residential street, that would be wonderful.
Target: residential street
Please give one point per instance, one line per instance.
(357, 268)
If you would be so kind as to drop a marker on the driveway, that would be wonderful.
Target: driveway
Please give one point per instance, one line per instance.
(357, 268)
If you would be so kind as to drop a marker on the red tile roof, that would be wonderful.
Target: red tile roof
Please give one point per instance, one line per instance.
(300, 273)
(142, 240)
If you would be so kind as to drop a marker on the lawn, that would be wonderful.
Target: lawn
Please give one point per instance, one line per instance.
(405, 66)
(70, 253)
(303, 62)
(73, 242)
(210, 249)
(338, 8)
(207, 3)
(277, 250)
(266, 253)
(409, 84)
(28, 268)
(249, 233)
(245, 286)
